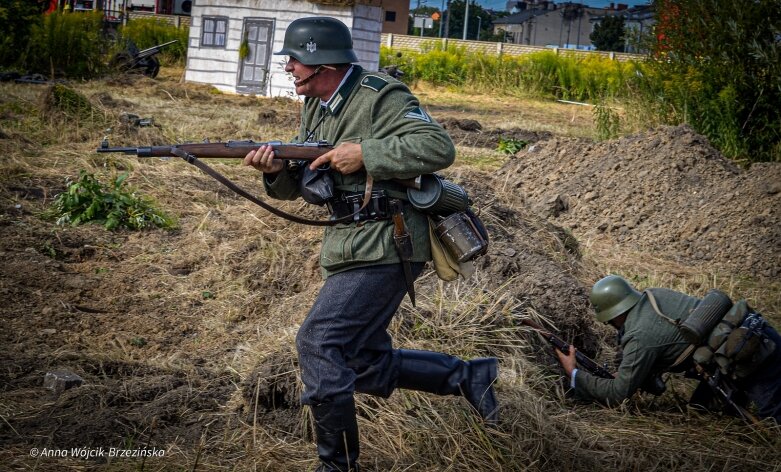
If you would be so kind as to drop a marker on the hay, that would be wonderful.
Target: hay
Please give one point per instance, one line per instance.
(185, 338)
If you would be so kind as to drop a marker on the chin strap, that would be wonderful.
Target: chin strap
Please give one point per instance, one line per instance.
(311, 76)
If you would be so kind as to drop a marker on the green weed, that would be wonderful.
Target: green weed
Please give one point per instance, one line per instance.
(607, 121)
(88, 200)
(511, 145)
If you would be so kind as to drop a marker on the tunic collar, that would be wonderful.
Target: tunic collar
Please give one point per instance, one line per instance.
(339, 98)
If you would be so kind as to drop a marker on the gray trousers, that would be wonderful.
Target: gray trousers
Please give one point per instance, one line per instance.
(343, 345)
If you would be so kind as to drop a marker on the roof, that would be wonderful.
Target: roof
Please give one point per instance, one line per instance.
(521, 17)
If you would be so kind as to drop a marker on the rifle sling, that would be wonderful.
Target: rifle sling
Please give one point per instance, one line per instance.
(689, 349)
(192, 159)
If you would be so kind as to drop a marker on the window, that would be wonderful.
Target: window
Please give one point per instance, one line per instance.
(214, 29)
(390, 16)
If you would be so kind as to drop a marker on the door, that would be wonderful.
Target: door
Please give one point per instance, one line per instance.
(255, 54)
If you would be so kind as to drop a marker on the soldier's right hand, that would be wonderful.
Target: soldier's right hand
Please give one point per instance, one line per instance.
(263, 160)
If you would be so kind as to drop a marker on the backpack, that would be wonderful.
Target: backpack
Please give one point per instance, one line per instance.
(738, 345)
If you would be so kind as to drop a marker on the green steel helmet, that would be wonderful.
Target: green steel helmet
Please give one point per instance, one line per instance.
(612, 296)
(318, 40)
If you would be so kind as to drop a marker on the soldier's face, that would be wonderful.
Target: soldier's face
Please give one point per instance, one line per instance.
(303, 76)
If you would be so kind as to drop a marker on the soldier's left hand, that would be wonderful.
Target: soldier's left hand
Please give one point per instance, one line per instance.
(568, 361)
(345, 158)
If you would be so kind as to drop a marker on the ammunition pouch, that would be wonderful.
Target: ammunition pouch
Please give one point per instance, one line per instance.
(348, 203)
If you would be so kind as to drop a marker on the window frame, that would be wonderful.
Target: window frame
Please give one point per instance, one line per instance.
(214, 34)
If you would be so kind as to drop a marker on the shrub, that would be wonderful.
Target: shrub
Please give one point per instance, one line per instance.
(544, 74)
(148, 32)
(88, 200)
(719, 68)
(69, 45)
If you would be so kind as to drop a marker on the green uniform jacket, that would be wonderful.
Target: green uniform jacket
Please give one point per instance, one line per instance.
(398, 139)
(650, 345)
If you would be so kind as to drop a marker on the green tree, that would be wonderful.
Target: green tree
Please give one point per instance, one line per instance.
(608, 34)
(16, 19)
(457, 9)
(721, 65)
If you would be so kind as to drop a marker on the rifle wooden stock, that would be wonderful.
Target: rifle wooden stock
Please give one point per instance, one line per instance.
(585, 362)
(227, 150)
(237, 150)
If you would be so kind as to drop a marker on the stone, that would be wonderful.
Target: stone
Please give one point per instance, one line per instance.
(59, 381)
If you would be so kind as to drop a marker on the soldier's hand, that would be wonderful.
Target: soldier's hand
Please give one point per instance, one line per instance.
(263, 160)
(345, 158)
(568, 361)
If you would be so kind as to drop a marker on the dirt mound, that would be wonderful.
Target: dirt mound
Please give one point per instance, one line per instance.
(668, 192)
(468, 132)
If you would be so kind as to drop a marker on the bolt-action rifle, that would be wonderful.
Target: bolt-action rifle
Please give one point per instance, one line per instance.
(585, 362)
(191, 152)
(654, 384)
(724, 392)
(229, 149)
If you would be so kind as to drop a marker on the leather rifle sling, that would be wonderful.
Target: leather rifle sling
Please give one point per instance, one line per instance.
(191, 159)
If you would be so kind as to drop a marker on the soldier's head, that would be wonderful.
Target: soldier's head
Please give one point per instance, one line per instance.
(612, 297)
(318, 40)
(316, 46)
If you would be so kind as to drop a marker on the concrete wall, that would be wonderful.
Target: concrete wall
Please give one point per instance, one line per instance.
(219, 67)
(397, 41)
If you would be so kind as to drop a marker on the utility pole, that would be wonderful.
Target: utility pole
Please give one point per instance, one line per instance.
(441, 18)
(466, 19)
(479, 25)
(447, 21)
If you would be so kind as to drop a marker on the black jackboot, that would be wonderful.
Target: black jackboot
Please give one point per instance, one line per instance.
(337, 436)
(443, 374)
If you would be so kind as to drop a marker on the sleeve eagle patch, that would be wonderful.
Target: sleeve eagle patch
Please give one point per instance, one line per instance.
(418, 114)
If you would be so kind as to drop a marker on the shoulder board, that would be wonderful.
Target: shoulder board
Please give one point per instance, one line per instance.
(374, 82)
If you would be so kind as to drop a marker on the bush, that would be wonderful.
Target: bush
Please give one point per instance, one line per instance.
(16, 18)
(148, 32)
(88, 200)
(718, 68)
(69, 45)
(544, 74)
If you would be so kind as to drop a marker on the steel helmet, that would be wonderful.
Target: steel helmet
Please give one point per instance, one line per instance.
(612, 296)
(318, 40)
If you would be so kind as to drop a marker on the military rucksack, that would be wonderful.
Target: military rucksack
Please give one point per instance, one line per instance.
(738, 345)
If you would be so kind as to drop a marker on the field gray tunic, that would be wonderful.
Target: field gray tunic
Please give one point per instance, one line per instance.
(650, 345)
(398, 139)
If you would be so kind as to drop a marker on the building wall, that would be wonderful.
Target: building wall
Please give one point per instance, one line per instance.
(416, 43)
(400, 14)
(219, 67)
(553, 29)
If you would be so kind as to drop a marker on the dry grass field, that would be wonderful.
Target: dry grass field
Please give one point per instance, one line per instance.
(185, 337)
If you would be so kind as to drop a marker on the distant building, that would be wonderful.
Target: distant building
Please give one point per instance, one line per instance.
(544, 23)
(231, 45)
(638, 22)
(395, 16)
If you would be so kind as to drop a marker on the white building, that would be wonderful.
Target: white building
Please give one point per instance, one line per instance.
(218, 29)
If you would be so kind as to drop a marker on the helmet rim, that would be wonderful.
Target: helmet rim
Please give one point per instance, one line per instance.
(613, 296)
(318, 40)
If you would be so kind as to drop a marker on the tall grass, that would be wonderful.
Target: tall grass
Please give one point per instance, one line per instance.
(148, 32)
(543, 74)
(66, 45)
